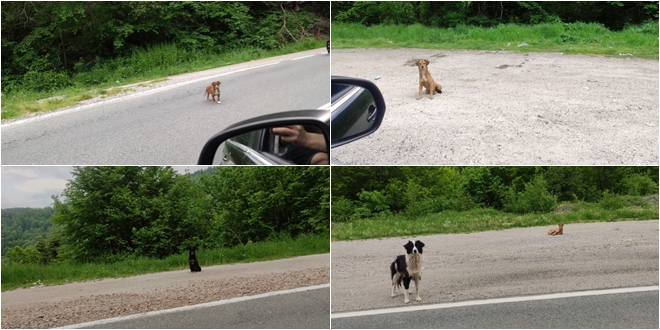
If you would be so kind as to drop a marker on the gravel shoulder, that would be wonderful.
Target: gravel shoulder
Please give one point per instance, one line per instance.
(503, 108)
(494, 264)
(53, 306)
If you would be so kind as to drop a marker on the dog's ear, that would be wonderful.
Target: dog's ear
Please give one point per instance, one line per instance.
(408, 246)
(427, 62)
(417, 62)
(421, 244)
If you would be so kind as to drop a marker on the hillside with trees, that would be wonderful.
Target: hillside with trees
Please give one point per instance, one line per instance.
(24, 226)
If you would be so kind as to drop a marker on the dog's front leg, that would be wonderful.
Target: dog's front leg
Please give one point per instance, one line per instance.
(417, 280)
(421, 87)
(431, 89)
(406, 286)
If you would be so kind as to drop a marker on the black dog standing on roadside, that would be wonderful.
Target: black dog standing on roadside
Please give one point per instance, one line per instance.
(407, 268)
(192, 260)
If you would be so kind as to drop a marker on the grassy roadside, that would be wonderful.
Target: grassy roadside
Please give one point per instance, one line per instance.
(145, 67)
(570, 38)
(17, 276)
(452, 222)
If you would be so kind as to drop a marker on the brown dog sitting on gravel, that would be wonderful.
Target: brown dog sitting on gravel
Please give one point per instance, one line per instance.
(426, 81)
(213, 91)
(557, 231)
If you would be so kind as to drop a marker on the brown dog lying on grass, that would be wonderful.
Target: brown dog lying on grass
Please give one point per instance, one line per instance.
(213, 90)
(557, 231)
(426, 81)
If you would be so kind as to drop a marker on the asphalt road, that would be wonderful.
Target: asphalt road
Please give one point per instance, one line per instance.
(497, 264)
(169, 127)
(301, 310)
(625, 310)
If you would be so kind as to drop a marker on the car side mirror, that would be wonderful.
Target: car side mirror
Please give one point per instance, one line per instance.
(357, 109)
(290, 138)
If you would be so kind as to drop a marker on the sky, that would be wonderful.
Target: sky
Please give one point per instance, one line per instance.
(33, 186)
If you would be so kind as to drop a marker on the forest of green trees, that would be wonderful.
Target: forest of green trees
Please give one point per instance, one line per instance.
(614, 15)
(52, 45)
(108, 214)
(24, 226)
(362, 192)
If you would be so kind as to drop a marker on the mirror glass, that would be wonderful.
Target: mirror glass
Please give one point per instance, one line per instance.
(285, 145)
(353, 111)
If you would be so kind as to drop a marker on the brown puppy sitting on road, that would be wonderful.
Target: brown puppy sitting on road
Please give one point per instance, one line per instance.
(425, 80)
(557, 231)
(213, 90)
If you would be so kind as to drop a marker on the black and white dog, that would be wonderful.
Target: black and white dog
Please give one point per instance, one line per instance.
(192, 260)
(406, 268)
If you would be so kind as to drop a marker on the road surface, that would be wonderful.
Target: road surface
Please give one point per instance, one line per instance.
(81, 302)
(297, 310)
(170, 124)
(505, 108)
(608, 311)
(495, 264)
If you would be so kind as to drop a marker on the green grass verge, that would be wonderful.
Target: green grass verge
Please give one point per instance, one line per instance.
(147, 66)
(17, 276)
(476, 220)
(571, 38)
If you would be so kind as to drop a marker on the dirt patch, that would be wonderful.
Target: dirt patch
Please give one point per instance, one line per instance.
(564, 208)
(503, 108)
(653, 200)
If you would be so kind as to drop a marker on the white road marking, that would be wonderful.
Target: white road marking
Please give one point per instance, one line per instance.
(300, 58)
(191, 307)
(492, 301)
(127, 97)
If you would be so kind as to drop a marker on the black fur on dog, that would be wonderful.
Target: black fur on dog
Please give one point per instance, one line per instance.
(407, 268)
(192, 260)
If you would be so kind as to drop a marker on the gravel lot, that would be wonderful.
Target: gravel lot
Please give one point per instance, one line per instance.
(503, 108)
(56, 306)
(494, 264)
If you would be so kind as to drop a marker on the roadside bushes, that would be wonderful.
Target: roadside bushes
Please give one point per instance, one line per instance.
(535, 198)
(416, 191)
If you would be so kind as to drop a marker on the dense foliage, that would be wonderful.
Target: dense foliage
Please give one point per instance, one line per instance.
(362, 192)
(50, 45)
(110, 213)
(24, 226)
(614, 15)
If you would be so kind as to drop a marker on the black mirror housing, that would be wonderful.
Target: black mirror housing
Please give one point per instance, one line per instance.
(348, 125)
(316, 118)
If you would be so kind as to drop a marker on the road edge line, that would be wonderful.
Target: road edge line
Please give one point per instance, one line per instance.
(492, 301)
(191, 307)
